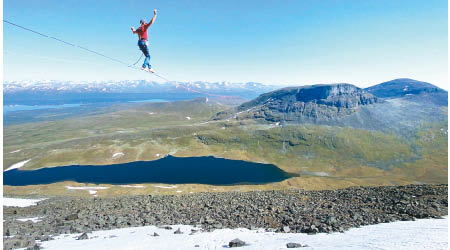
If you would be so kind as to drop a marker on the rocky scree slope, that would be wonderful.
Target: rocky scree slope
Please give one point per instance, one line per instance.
(281, 211)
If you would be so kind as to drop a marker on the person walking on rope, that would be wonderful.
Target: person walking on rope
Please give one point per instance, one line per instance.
(143, 41)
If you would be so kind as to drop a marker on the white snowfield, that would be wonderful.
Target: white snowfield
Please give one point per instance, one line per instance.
(321, 173)
(17, 165)
(116, 155)
(19, 202)
(421, 234)
(86, 188)
(91, 190)
(132, 186)
(32, 219)
(169, 187)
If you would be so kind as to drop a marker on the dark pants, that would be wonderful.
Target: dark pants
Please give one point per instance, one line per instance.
(144, 48)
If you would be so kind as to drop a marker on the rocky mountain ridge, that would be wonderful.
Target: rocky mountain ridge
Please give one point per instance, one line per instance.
(321, 102)
(346, 105)
(412, 90)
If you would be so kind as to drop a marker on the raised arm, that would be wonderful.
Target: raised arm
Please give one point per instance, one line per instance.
(153, 19)
(132, 29)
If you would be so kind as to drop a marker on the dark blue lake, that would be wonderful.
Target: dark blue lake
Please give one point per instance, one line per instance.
(170, 170)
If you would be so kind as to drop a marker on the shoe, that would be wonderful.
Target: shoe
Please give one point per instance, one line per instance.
(151, 70)
(144, 69)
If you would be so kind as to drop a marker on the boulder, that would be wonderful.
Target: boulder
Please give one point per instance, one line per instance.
(236, 243)
(83, 236)
(294, 245)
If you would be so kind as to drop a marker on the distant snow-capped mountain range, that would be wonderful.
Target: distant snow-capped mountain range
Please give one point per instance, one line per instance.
(133, 86)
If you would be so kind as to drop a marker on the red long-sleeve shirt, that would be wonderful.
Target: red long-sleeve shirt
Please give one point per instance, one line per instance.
(142, 31)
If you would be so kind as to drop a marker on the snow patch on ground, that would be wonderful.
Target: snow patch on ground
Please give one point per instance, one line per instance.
(179, 191)
(15, 151)
(420, 234)
(187, 117)
(116, 155)
(321, 173)
(17, 165)
(19, 202)
(157, 155)
(86, 188)
(91, 190)
(32, 219)
(132, 186)
(165, 186)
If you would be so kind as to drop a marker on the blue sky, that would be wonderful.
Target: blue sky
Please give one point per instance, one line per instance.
(275, 42)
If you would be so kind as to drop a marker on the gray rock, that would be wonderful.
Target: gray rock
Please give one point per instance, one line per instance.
(44, 238)
(178, 231)
(295, 245)
(83, 236)
(35, 247)
(236, 243)
(72, 217)
(331, 220)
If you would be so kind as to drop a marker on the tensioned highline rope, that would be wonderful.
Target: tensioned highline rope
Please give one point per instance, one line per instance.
(65, 42)
(110, 58)
(78, 46)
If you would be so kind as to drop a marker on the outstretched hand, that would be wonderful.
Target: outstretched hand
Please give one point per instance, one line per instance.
(154, 11)
(132, 28)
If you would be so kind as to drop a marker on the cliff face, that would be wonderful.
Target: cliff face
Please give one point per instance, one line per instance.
(316, 102)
